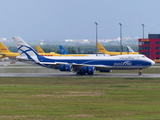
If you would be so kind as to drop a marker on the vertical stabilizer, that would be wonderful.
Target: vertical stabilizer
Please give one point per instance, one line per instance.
(129, 49)
(24, 49)
(63, 50)
(39, 49)
(101, 49)
(3, 48)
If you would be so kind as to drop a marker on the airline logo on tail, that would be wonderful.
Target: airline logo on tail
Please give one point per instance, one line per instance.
(25, 50)
(3, 49)
(5, 52)
(101, 48)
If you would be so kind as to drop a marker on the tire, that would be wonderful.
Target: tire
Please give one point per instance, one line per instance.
(139, 73)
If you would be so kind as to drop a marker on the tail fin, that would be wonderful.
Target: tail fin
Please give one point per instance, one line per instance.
(100, 48)
(129, 49)
(3, 48)
(39, 49)
(25, 50)
(63, 50)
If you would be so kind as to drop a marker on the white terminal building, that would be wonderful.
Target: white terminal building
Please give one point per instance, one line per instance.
(79, 41)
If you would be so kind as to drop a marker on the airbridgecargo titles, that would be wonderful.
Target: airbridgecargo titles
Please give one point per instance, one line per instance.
(123, 63)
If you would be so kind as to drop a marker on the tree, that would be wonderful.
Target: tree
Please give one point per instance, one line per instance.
(79, 50)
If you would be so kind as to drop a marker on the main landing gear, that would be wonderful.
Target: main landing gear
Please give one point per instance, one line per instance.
(140, 72)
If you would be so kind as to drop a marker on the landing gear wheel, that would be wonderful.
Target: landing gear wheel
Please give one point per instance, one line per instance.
(139, 73)
(80, 73)
(90, 73)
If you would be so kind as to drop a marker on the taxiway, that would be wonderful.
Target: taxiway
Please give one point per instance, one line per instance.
(74, 75)
(25, 70)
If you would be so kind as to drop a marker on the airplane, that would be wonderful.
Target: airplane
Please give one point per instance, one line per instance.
(82, 65)
(5, 52)
(101, 49)
(39, 49)
(41, 52)
(63, 51)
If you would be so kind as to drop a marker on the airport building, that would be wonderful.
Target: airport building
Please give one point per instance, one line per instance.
(150, 46)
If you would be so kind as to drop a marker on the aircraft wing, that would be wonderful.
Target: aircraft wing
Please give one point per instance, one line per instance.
(21, 60)
(96, 66)
(24, 60)
(54, 63)
(2, 54)
(74, 64)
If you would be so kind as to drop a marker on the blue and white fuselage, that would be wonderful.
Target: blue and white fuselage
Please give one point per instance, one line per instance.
(82, 65)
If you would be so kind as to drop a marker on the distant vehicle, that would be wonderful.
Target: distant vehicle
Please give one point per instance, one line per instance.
(82, 65)
(101, 49)
(41, 52)
(5, 52)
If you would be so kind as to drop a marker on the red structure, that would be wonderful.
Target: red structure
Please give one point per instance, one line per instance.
(150, 47)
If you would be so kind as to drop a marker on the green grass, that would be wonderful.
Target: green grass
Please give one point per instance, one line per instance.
(145, 71)
(76, 98)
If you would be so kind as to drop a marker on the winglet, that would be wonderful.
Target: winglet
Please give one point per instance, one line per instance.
(63, 50)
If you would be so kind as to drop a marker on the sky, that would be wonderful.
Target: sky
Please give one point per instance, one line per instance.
(75, 19)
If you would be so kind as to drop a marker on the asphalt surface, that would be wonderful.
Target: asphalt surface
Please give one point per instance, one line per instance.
(74, 75)
(55, 73)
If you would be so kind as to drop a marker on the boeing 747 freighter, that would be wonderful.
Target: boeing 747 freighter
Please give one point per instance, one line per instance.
(82, 65)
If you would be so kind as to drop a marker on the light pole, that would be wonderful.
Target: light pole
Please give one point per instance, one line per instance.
(96, 37)
(143, 30)
(121, 37)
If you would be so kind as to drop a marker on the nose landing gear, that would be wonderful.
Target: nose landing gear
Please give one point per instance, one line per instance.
(140, 72)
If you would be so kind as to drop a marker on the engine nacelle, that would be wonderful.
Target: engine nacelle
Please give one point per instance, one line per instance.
(91, 70)
(62, 67)
(88, 69)
(84, 70)
(66, 68)
(105, 70)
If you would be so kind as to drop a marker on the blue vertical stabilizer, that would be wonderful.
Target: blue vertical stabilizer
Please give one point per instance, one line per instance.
(63, 50)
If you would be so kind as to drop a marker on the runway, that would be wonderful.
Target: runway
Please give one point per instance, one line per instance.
(25, 70)
(74, 75)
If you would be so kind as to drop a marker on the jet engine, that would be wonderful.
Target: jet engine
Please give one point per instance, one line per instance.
(66, 68)
(88, 69)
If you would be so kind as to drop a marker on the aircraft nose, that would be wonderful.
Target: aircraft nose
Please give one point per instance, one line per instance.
(152, 62)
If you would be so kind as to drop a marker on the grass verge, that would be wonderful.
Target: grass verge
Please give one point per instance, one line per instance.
(75, 98)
